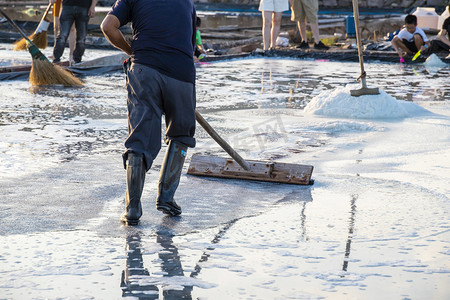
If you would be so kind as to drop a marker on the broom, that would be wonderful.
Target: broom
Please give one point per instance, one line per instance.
(39, 37)
(43, 72)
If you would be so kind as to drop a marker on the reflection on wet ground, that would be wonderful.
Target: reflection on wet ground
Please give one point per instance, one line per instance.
(136, 278)
(351, 227)
(167, 276)
(138, 281)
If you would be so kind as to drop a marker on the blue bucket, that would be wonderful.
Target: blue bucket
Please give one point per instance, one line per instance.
(350, 26)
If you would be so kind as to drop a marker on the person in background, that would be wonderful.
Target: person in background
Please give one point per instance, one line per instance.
(160, 81)
(56, 12)
(444, 34)
(78, 12)
(303, 10)
(199, 51)
(410, 39)
(271, 13)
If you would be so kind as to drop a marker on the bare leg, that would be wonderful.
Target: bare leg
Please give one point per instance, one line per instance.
(397, 43)
(267, 23)
(72, 36)
(302, 29)
(72, 42)
(276, 25)
(315, 31)
(56, 26)
(418, 41)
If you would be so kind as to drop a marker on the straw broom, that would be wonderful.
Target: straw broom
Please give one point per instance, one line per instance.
(39, 37)
(43, 72)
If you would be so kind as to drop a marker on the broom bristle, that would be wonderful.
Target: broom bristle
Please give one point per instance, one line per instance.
(22, 44)
(44, 72)
(40, 39)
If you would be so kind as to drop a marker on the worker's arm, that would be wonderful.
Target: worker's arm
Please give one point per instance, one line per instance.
(110, 27)
(443, 37)
(425, 46)
(395, 44)
(92, 9)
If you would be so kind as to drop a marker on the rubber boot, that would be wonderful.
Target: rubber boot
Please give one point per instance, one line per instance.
(170, 178)
(135, 184)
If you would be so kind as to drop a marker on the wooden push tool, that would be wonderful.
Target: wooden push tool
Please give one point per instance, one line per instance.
(238, 168)
(364, 90)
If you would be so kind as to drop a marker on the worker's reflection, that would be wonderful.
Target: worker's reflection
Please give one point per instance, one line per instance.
(170, 259)
(134, 270)
(137, 280)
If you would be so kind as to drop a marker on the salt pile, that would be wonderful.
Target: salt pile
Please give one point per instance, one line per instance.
(339, 103)
(434, 61)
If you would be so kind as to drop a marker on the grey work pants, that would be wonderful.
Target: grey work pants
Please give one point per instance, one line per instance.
(150, 95)
(69, 15)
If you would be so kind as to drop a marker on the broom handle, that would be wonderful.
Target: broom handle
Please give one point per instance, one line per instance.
(15, 26)
(221, 142)
(358, 37)
(47, 11)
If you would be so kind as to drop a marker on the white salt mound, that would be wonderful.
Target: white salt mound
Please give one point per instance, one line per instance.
(434, 61)
(339, 103)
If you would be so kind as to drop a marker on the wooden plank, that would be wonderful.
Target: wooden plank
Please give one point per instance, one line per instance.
(215, 166)
(256, 169)
(22, 68)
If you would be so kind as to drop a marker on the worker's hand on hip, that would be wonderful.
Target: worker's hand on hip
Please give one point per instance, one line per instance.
(126, 64)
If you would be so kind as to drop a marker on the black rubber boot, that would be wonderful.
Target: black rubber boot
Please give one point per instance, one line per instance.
(170, 178)
(135, 184)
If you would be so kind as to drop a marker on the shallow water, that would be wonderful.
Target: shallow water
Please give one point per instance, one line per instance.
(377, 214)
(61, 123)
(286, 83)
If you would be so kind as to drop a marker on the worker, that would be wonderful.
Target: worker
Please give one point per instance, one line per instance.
(56, 12)
(78, 12)
(160, 81)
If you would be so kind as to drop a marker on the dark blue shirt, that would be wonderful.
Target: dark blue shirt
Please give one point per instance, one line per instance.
(163, 34)
(82, 3)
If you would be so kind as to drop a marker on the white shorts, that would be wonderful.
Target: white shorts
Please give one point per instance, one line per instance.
(274, 5)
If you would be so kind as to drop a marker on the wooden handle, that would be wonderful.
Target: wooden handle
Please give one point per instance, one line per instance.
(221, 142)
(358, 36)
(47, 10)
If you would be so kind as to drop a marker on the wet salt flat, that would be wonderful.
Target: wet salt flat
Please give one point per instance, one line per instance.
(375, 223)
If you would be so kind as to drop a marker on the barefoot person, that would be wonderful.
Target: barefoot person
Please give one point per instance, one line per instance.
(271, 13)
